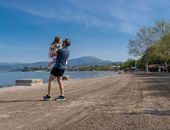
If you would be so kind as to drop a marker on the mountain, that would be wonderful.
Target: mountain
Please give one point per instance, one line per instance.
(20, 66)
(82, 61)
(86, 61)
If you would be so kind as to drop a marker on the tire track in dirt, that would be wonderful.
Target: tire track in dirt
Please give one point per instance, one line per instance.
(37, 94)
(124, 102)
(22, 108)
(98, 101)
(126, 108)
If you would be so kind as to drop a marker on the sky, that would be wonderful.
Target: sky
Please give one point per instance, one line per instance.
(99, 28)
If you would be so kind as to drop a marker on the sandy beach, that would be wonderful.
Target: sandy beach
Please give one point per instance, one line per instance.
(122, 102)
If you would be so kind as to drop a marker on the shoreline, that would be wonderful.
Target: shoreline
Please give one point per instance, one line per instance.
(126, 101)
(116, 74)
(17, 88)
(45, 77)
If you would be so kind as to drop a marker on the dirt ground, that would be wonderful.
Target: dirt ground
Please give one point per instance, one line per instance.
(122, 102)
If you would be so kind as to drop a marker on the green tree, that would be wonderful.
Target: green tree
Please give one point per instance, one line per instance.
(160, 51)
(144, 39)
(128, 64)
(152, 52)
(161, 28)
(164, 50)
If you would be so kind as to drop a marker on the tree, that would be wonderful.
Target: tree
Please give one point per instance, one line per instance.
(145, 38)
(161, 28)
(130, 63)
(160, 51)
(152, 52)
(164, 50)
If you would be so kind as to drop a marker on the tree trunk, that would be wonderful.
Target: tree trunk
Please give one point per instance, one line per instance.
(166, 67)
(146, 64)
(146, 67)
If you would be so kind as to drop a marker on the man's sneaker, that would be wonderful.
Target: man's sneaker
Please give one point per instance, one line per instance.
(47, 98)
(60, 98)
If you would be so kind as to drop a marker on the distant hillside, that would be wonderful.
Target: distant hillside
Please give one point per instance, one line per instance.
(20, 66)
(82, 61)
(86, 61)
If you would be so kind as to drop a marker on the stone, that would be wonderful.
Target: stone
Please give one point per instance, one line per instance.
(29, 82)
(66, 77)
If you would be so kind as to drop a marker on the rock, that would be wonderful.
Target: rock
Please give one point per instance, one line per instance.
(66, 77)
(29, 82)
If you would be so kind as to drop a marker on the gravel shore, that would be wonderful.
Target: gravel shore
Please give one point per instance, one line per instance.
(123, 102)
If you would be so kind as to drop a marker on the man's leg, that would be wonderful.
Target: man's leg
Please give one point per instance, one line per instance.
(61, 86)
(51, 78)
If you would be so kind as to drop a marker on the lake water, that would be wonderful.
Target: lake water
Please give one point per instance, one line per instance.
(9, 78)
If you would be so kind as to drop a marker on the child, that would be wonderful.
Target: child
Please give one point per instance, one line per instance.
(53, 48)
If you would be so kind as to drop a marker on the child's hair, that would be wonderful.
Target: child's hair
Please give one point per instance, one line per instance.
(56, 39)
(54, 47)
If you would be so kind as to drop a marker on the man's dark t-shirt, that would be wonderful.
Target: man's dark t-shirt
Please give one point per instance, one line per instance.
(62, 56)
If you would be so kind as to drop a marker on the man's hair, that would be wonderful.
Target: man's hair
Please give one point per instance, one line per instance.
(68, 42)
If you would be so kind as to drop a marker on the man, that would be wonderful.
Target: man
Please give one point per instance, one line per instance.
(58, 70)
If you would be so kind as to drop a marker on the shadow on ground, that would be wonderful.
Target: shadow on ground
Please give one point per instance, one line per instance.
(151, 112)
(11, 101)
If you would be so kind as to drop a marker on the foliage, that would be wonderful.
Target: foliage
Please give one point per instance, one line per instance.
(128, 64)
(161, 29)
(133, 64)
(144, 39)
(152, 44)
(160, 51)
(108, 67)
(91, 68)
(27, 69)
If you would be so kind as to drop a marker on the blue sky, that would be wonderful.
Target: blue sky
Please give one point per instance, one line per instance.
(100, 28)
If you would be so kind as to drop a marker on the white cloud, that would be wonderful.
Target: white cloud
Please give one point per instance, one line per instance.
(123, 16)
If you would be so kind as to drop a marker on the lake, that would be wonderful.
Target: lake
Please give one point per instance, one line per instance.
(9, 78)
